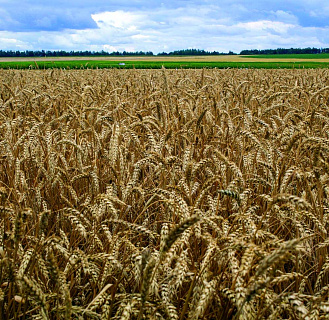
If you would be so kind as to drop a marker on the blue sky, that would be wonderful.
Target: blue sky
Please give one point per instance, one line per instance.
(157, 26)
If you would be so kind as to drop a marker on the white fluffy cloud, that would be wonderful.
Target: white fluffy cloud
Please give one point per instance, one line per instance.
(232, 25)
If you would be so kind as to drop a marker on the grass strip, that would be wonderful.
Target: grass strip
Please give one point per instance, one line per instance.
(101, 64)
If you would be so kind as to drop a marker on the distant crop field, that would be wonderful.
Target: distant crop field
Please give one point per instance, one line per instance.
(289, 56)
(164, 194)
(173, 63)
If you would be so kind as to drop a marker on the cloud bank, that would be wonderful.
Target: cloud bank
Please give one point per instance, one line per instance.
(149, 26)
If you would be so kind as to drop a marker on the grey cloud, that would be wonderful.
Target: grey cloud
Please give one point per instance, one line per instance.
(32, 15)
(45, 19)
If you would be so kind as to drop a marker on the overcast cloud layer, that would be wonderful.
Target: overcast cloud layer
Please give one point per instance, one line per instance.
(136, 25)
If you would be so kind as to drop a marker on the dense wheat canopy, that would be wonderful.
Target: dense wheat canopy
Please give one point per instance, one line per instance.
(164, 194)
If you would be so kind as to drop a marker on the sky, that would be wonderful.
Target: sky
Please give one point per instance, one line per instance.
(157, 26)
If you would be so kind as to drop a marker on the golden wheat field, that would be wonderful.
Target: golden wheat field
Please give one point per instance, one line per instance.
(164, 194)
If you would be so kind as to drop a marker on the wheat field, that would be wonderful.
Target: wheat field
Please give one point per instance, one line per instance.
(164, 194)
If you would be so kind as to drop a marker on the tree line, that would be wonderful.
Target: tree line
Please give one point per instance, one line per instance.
(194, 52)
(63, 53)
(185, 52)
(285, 51)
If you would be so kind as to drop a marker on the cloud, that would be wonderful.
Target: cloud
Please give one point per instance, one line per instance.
(139, 25)
(116, 19)
(40, 15)
(30, 18)
(8, 42)
(284, 16)
(266, 26)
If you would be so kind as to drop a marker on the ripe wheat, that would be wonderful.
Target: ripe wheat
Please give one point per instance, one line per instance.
(164, 194)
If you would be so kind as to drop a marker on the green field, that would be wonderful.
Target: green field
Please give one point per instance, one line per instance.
(143, 64)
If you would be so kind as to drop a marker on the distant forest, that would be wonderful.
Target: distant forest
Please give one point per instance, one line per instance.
(185, 52)
(285, 51)
(62, 53)
(194, 52)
